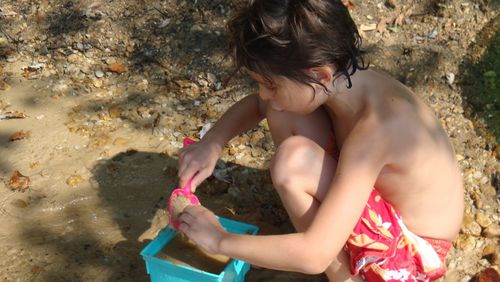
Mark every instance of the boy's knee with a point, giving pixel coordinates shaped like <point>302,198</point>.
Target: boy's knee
<point>290,160</point>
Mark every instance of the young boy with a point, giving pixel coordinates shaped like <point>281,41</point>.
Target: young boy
<point>363,167</point>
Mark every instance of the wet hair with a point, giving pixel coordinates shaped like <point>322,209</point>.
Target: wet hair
<point>287,37</point>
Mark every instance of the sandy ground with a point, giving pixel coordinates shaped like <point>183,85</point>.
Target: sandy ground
<point>108,90</point>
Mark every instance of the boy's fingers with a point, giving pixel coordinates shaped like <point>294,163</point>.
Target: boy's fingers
<point>200,177</point>
<point>186,171</point>
<point>193,209</point>
<point>184,228</point>
<point>186,217</point>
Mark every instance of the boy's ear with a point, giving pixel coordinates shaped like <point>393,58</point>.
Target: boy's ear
<point>324,74</point>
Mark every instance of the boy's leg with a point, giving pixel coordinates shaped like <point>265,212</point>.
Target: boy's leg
<point>302,172</point>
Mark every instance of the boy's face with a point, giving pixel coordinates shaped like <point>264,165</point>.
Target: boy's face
<point>284,94</point>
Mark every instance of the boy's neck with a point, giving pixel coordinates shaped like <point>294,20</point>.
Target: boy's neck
<point>345,103</point>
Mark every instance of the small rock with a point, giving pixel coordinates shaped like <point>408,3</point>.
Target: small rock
<point>99,73</point>
<point>212,79</point>
<point>492,231</point>
<point>433,34</point>
<point>489,250</point>
<point>163,23</point>
<point>188,89</point>
<point>120,141</point>
<point>483,220</point>
<point>466,243</point>
<point>233,151</point>
<point>256,152</point>
<point>196,27</point>
<point>20,135</point>
<point>117,68</point>
<point>12,58</point>
<point>465,278</point>
<point>368,27</point>
<point>205,129</point>
<point>4,86</point>
<point>74,180</point>
<point>452,276</point>
<point>495,259</point>
<point>115,112</point>
<point>18,203</point>
<point>78,46</point>
<point>74,58</point>
<point>478,199</point>
<point>489,275</point>
<point>450,78</point>
<point>97,83</point>
<point>488,190</point>
<point>472,228</point>
<point>234,191</point>
<point>143,85</point>
<point>19,182</point>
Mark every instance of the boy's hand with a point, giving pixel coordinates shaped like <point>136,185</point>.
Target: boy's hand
<point>201,226</point>
<point>198,160</point>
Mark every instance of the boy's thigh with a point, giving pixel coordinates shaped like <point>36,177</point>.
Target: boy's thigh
<point>316,126</point>
<point>305,153</point>
<point>300,164</point>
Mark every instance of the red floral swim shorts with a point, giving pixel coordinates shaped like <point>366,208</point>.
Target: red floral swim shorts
<point>381,248</point>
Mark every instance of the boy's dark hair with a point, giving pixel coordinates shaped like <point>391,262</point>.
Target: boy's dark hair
<point>287,37</point>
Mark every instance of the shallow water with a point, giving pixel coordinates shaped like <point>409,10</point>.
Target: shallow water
<point>181,251</point>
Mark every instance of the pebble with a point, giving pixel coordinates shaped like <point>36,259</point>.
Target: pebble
<point>472,228</point>
<point>115,112</point>
<point>99,73</point>
<point>483,220</point>
<point>466,243</point>
<point>433,34</point>
<point>97,83</point>
<point>450,78</point>
<point>18,203</point>
<point>452,276</point>
<point>492,231</point>
<point>117,68</point>
<point>466,278</point>
<point>211,78</point>
<point>489,275</point>
<point>120,141</point>
<point>4,86</point>
<point>78,46</point>
<point>368,27</point>
<point>11,59</point>
<point>489,250</point>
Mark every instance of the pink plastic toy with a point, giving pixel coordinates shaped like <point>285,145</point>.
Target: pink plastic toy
<point>181,197</point>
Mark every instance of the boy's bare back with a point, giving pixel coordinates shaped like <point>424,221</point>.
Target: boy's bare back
<point>420,175</point>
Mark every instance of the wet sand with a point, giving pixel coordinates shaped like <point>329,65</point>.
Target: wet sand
<point>181,251</point>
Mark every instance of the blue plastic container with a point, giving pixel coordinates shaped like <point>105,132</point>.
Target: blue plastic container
<point>161,270</point>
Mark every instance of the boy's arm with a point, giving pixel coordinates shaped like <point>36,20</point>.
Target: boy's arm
<point>242,116</point>
<point>361,160</point>
<point>197,161</point>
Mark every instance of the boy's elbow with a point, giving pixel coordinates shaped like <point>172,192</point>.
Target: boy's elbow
<point>316,264</point>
